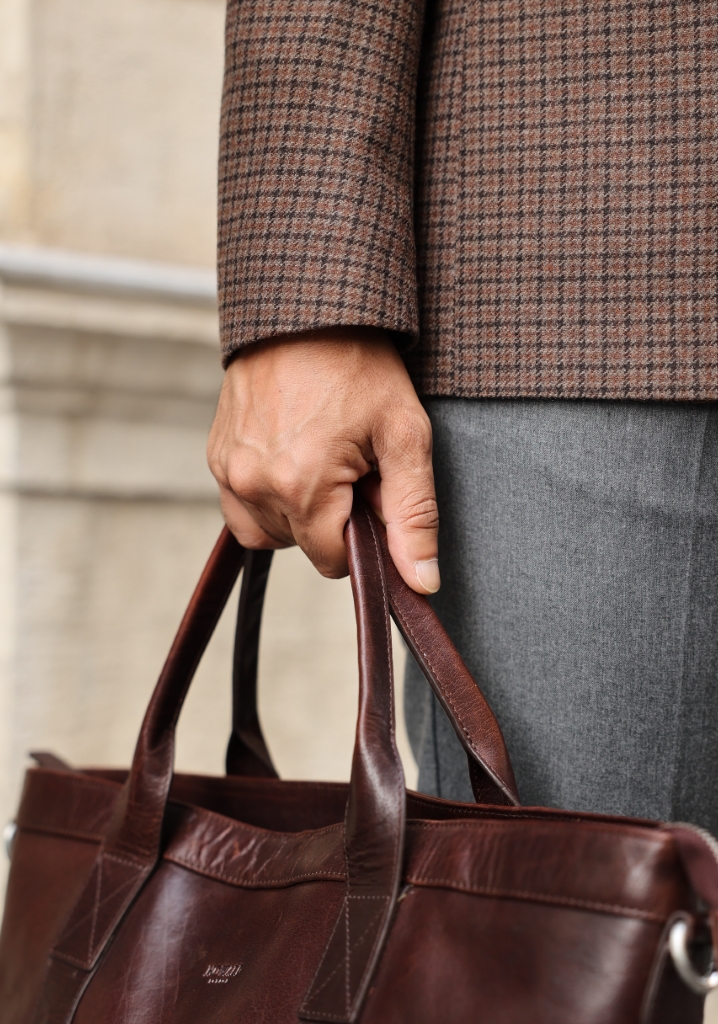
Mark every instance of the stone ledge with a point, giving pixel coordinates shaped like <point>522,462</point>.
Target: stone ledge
<point>97,399</point>
<point>61,268</point>
<point>133,298</point>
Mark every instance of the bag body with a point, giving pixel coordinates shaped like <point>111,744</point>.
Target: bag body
<point>252,899</point>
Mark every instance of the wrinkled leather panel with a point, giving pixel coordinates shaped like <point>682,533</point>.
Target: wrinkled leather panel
<point>240,855</point>
<point>541,853</point>
<point>622,870</point>
<point>81,803</point>
<point>540,879</point>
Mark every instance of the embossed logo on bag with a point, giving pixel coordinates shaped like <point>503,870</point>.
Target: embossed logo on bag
<point>219,974</point>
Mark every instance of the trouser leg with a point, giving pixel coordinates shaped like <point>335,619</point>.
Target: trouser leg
<point>579,559</point>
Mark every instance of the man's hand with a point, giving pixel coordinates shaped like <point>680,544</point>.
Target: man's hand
<point>299,420</point>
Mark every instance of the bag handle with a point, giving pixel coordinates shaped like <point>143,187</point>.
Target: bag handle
<point>375,808</point>
<point>473,720</point>
<point>247,752</point>
<point>132,848</point>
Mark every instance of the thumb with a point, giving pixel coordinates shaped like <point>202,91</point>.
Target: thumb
<point>407,504</point>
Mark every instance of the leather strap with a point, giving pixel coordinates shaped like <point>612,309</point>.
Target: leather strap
<point>490,770</point>
<point>375,808</point>
<point>132,848</point>
<point>247,752</point>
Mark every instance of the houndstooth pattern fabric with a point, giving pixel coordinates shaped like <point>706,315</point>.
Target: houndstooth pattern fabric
<point>316,167</point>
<point>566,189</point>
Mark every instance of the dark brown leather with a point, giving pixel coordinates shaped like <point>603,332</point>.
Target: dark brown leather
<point>130,851</point>
<point>162,899</point>
<point>247,753</point>
<point>376,809</point>
<point>490,768</point>
<point>492,775</point>
<point>47,760</point>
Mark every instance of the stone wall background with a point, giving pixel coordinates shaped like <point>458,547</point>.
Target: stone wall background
<point>109,373</point>
<point>108,126</point>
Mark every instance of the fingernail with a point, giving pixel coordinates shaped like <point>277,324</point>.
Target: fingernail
<point>427,573</point>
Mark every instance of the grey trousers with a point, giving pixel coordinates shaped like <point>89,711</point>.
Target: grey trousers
<point>579,560</point>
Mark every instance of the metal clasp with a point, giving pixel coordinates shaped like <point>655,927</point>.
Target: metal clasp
<point>678,939</point>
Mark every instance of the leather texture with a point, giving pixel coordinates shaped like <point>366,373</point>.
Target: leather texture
<point>247,753</point>
<point>154,898</point>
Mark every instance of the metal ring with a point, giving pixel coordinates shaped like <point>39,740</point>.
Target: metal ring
<point>678,937</point>
<point>8,834</point>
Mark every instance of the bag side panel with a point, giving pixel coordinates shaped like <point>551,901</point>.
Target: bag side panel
<point>195,949</point>
<point>46,875</point>
<point>478,960</point>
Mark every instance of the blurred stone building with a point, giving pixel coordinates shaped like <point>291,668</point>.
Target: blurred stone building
<point>110,371</point>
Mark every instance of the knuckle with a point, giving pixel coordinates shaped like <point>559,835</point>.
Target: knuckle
<point>257,484</point>
<point>418,512</point>
<point>287,484</point>
<point>412,433</point>
<point>244,481</point>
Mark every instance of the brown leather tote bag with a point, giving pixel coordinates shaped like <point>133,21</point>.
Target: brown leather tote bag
<point>144,897</point>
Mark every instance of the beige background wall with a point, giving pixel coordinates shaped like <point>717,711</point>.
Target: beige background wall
<point>108,125</point>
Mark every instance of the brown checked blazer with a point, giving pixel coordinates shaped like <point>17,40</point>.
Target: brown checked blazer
<point>526,189</point>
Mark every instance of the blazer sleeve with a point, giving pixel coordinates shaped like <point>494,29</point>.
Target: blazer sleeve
<point>316,167</point>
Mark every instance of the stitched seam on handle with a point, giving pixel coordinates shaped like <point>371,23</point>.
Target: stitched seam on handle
<point>310,993</point>
<point>387,629</point>
<point>347,959</point>
<point>400,789</point>
<point>539,897</point>
<point>446,696</point>
<point>347,954</point>
<point>96,908</point>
